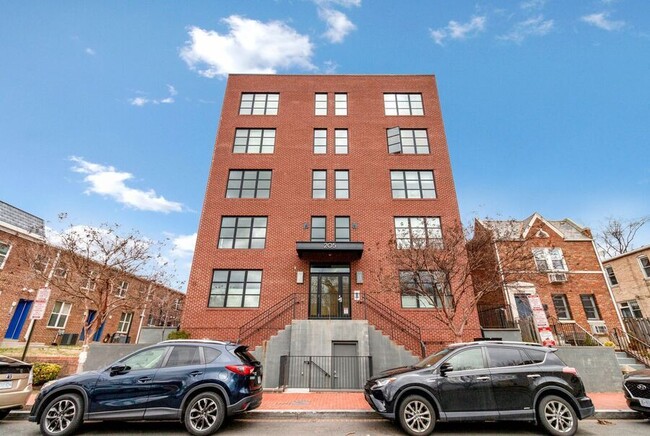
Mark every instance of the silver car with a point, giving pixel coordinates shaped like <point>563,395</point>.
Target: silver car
<point>15,384</point>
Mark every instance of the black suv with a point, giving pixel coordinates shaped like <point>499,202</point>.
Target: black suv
<point>478,381</point>
<point>197,382</point>
<point>636,386</point>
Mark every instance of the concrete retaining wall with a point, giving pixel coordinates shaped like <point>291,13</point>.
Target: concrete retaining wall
<point>153,335</point>
<point>102,355</point>
<point>597,367</point>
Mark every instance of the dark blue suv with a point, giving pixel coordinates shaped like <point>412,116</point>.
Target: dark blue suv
<point>197,382</point>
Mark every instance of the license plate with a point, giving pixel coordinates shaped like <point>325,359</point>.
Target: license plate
<point>644,402</point>
<point>5,385</point>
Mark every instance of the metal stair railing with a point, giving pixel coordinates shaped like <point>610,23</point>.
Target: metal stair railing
<point>632,345</point>
<point>573,334</point>
<point>395,325</point>
<point>264,325</point>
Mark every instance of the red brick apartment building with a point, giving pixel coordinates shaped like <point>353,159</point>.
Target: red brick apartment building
<point>563,269</point>
<point>64,317</point>
<point>311,177</point>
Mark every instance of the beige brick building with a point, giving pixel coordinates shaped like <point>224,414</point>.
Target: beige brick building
<point>629,277</point>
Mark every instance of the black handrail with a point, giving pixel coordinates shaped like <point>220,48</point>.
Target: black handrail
<point>395,320</point>
<point>311,362</point>
<point>632,346</point>
<point>251,327</point>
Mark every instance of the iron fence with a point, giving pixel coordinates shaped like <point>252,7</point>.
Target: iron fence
<point>325,372</point>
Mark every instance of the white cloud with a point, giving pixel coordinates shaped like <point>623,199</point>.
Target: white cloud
<point>109,182</point>
<point>456,30</point>
<point>601,21</point>
<point>183,245</point>
<point>536,26</point>
<point>141,101</point>
<point>338,24</point>
<point>344,3</point>
<point>532,4</point>
<point>250,46</point>
<point>90,51</point>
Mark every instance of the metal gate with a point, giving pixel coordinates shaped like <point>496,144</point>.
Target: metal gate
<point>325,372</point>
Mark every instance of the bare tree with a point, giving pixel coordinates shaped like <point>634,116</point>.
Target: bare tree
<point>450,274</point>
<point>106,270</point>
<point>617,236</point>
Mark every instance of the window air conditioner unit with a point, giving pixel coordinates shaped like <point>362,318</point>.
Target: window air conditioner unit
<point>598,328</point>
<point>557,277</point>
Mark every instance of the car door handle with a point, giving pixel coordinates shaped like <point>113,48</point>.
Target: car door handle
<point>533,376</point>
<point>195,373</point>
<point>144,379</point>
<point>486,378</point>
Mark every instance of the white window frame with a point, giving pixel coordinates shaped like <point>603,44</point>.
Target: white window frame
<point>90,283</point>
<point>403,104</point>
<point>320,104</point>
<point>565,303</point>
<point>41,260</point>
<point>5,256</point>
<point>548,256</point>
<point>254,141</point>
<point>320,141</point>
<point>418,232</point>
<point>592,300</point>
<point>645,270</point>
<point>61,270</point>
<point>260,101</point>
<point>342,184</point>
<point>340,104</point>
<point>125,322</point>
<point>630,306</point>
<point>611,275</point>
<point>57,316</point>
<point>121,289</point>
<point>177,304</point>
<point>341,141</point>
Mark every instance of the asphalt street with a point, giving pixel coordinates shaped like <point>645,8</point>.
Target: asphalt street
<point>342,426</point>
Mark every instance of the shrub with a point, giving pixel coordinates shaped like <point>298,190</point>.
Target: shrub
<point>609,344</point>
<point>45,372</point>
<point>179,334</point>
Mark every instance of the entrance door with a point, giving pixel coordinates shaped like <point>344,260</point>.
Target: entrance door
<point>18,320</point>
<point>329,295</point>
<point>345,366</point>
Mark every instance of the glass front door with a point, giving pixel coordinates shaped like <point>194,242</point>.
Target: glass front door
<point>329,294</point>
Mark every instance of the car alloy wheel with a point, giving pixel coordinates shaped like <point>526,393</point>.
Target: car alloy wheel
<point>205,413</point>
<point>62,416</point>
<point>557,416</point>
<point>416,415</point>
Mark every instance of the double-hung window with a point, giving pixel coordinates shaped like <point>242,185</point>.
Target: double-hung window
<point>259,104</point>
<point>254,141</point>
<point>342,229</point>
<point>549,259</point>
<point>320,141</point>
<point>235,288</point>
<point>590,307</point>
<point>320,104</point>
<point>340,104</point>
<point>59,316</point>
<point>4,253</point>
<point>403,104</point>
<point>249,184</point>
<point>242,232</point>
<point>125,322</point>
<point>319,184</point>
<point>121,288</point>
<point>341,141</point>
<point>318,227</point>
<point>630,309</point>
<point>561,306</point>
<point>611,276</point>
<point>412,184</point>
<point>417,232</point>
<point>644,263</point>
<point>342,184</point>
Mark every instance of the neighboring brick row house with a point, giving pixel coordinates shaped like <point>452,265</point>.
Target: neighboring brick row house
<point>564,270</point>
<point>311,178</point>
<point>629,277</point>
<point>64,316</point>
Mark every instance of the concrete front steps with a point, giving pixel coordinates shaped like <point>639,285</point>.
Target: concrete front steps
<point>628,363</point>
<point>315,338</point>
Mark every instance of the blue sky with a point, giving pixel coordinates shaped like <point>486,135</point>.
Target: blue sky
<point>109,110</point>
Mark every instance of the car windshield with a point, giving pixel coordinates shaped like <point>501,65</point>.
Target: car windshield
<point>433,359</point>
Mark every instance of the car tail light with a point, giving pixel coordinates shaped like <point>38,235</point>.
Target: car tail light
<point>241,369</point>
<point>569,370</point>
<point>30,379</point>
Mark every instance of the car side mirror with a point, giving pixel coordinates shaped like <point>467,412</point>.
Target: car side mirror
<point>445,368</point>
<point>119,369</point>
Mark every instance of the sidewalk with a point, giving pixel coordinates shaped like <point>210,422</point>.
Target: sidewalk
<point>609,405</point>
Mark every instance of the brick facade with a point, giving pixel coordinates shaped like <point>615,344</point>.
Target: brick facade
<point>19,285</point>
<point>583,271</point>
<point>632,283</point>
<point>370,205</point>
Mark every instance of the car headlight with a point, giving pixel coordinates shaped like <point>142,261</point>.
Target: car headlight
<point>383,382</point>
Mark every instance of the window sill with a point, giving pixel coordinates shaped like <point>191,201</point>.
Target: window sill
<point>566,321</point>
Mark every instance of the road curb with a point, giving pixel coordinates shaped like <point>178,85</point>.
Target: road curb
<point>18,415</point>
